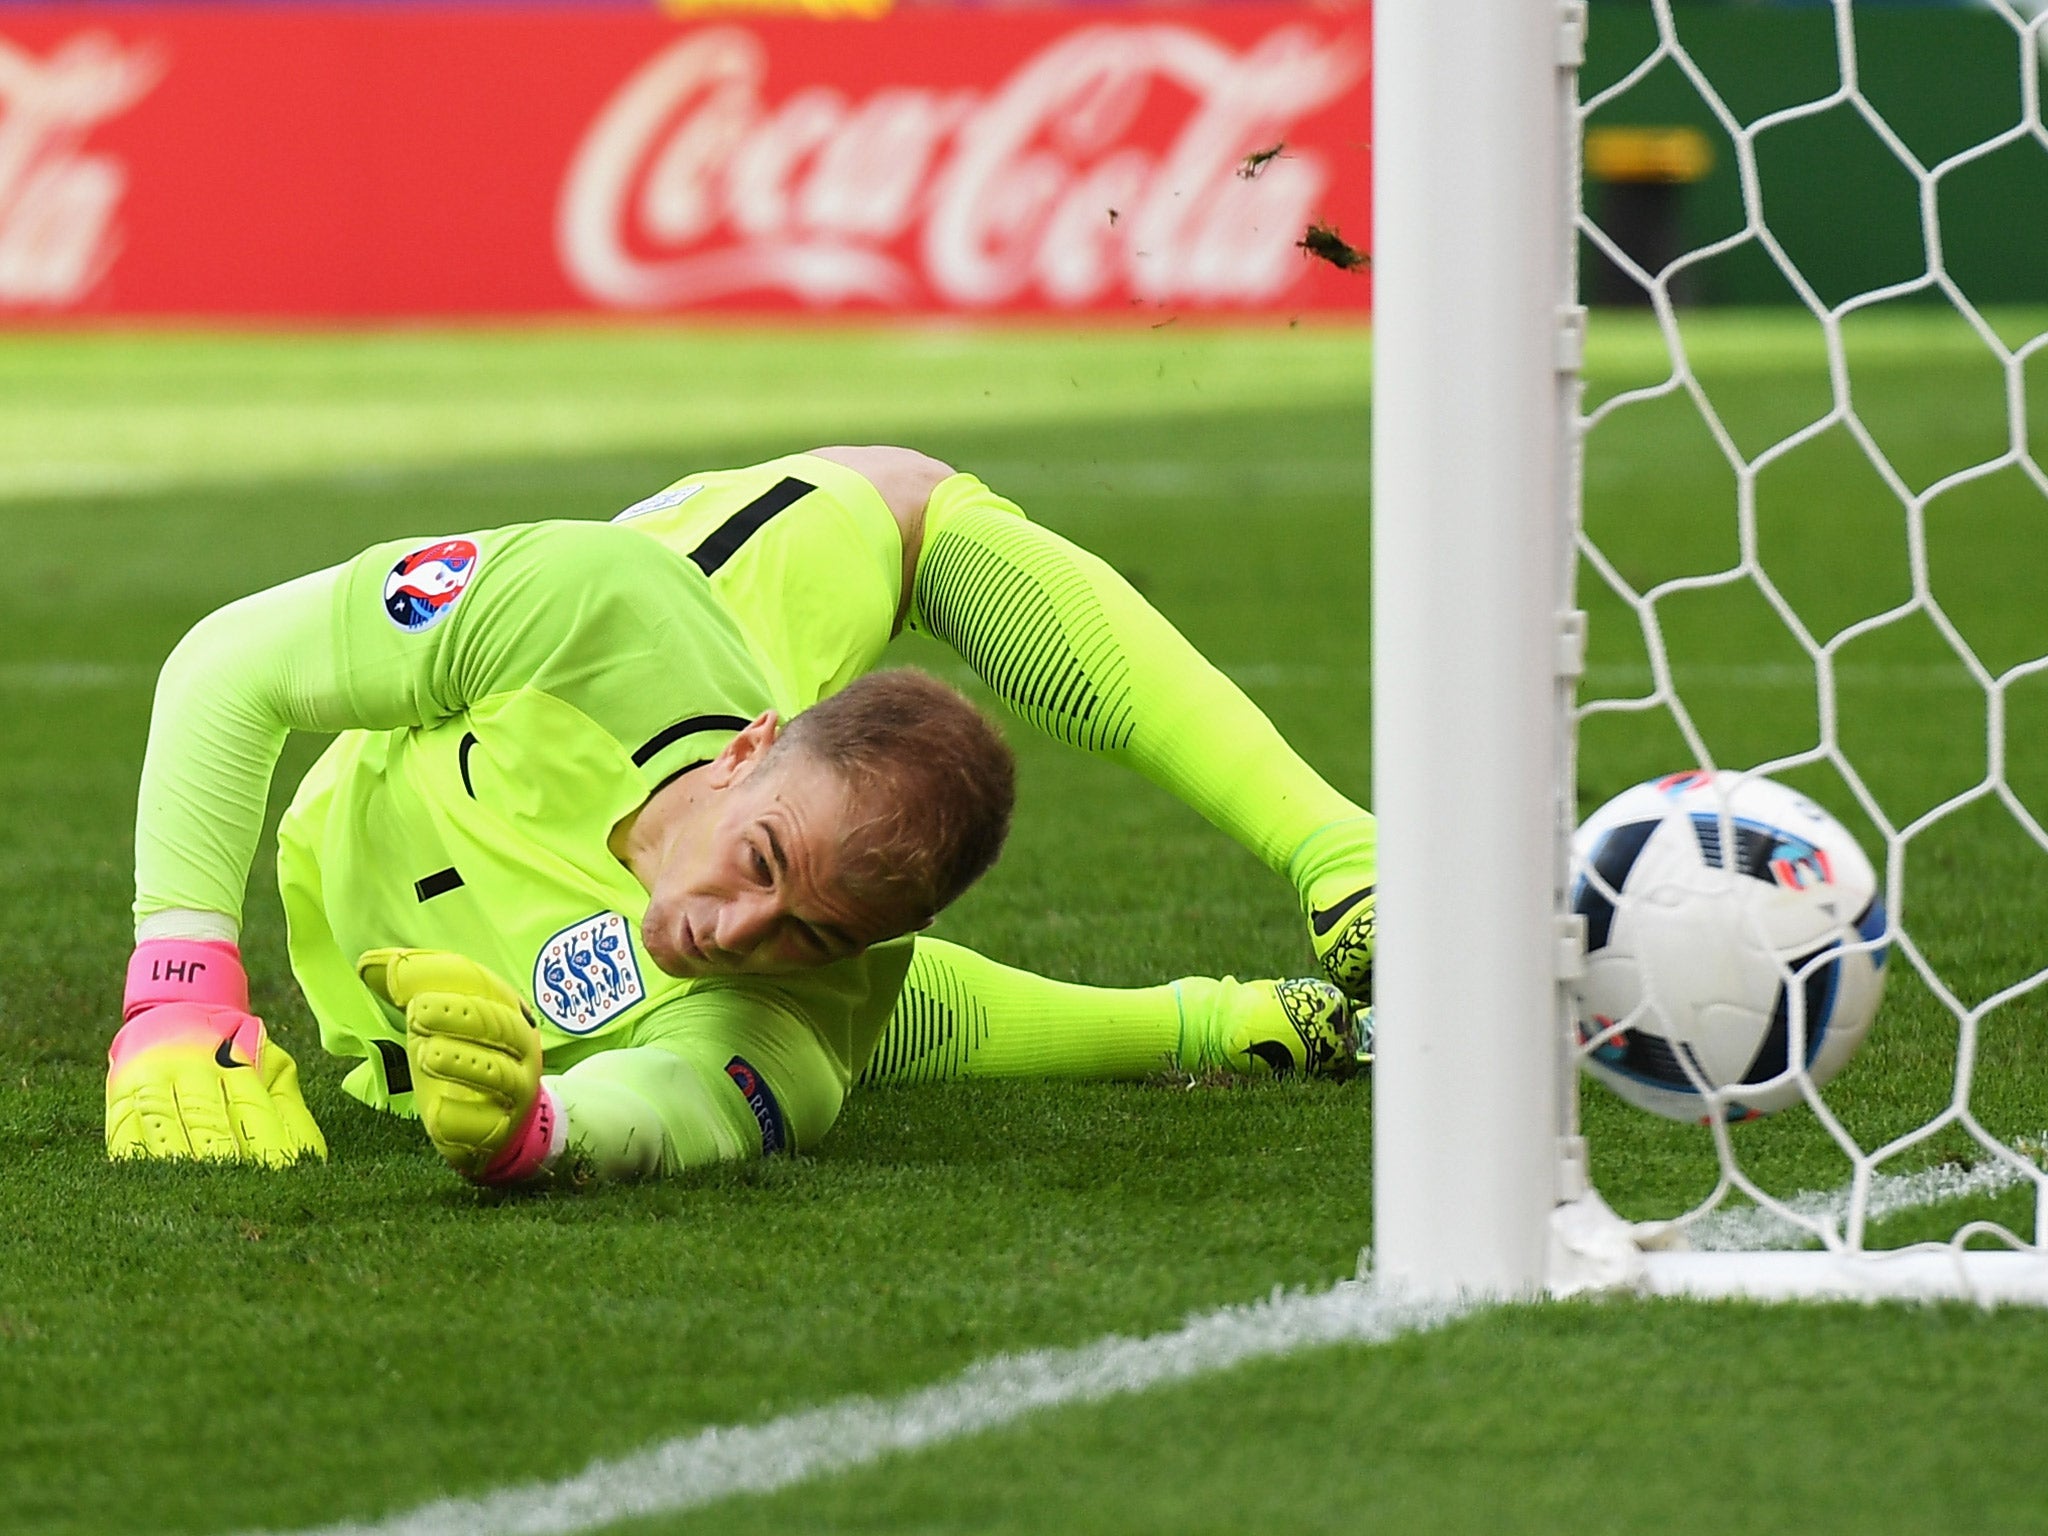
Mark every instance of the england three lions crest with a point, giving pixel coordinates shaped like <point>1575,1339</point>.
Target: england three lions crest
<point>586,976</point>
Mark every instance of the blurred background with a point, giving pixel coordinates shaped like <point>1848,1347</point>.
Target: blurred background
<point>407,160</point>
<point>267,159</point>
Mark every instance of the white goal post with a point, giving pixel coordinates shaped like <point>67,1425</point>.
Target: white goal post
<point>1479,1178</point>
<point>1472,389</point>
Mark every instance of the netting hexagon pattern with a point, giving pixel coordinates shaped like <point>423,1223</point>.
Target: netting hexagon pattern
<point>1827,463</point>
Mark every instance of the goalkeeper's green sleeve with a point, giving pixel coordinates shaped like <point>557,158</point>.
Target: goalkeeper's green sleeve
<point>545,606</point>
<point>730,1072</point>
<point>242,679</point>
<point>649,1111</point>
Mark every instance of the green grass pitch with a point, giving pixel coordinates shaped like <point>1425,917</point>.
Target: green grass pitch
<point>206,1350</point>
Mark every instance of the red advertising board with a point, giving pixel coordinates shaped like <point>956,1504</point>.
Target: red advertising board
<point>363,161</point>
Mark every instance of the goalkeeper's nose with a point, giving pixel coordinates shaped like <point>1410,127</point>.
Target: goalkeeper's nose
<point>746,923</point>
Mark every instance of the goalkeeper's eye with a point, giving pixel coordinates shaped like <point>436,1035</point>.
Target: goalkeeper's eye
<point>763,875</point>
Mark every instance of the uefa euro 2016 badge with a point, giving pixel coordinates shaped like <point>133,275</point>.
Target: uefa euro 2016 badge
<point>425,584</point>
<point>586,976</point>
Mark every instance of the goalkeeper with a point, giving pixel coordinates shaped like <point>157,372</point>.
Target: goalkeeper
<point>620,861</point>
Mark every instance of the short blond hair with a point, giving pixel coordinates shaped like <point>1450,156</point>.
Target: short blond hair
<point>930,782</point>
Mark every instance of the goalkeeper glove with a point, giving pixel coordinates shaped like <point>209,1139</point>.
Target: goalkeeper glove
<point>476,1059</point>
<point>192,1073</point>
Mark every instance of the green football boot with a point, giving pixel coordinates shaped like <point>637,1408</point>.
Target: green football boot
<point>1280,1028</point>
<point>1335,871</point>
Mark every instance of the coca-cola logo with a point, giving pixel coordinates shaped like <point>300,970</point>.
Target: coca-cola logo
<point>58,201</point>
<point>1056,184</point>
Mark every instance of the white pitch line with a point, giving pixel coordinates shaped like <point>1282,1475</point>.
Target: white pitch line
<point>714,1464</point>
<point>691,1471</point>
<point>1756,1228</point>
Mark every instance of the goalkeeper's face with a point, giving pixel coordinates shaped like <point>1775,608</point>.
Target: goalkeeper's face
<point>746,874</point>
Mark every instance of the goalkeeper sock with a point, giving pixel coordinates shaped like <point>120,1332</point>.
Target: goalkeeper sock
<point>963,1015</point>
<point>1070,646</point>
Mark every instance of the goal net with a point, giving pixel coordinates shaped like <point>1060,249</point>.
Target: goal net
<point>1801,536</point>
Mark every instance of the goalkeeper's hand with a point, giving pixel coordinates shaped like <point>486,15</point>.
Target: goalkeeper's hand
<point>476,1060</point>
<point>192,1073</point>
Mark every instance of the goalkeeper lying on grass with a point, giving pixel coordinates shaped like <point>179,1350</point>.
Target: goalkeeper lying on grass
<point>620,861</point>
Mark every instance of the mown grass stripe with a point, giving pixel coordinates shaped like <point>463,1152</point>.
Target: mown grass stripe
<point>691,1471</point>
<point>713,1464</point>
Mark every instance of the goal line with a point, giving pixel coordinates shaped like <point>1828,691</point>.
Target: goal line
<point>694,1470</point>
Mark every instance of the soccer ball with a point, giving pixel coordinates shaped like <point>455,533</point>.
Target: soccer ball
<point>1715,906</point>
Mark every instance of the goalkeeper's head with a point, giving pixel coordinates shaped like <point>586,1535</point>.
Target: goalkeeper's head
<point>805,843</point>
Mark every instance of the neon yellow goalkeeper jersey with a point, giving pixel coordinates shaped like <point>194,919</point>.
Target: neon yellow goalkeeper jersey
<point>574,668</point>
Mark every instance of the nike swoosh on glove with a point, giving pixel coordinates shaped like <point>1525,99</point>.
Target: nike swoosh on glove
<point>193,1074</point>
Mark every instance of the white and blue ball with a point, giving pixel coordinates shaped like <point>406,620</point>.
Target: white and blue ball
<point>1735,934</point>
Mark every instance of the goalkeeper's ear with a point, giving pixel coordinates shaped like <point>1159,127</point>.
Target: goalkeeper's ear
<point>743,754</point>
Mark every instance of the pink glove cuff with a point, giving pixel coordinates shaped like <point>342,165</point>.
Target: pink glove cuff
<point>185,971</point>
<point>536,1141</point>
<point>194,1025</point>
